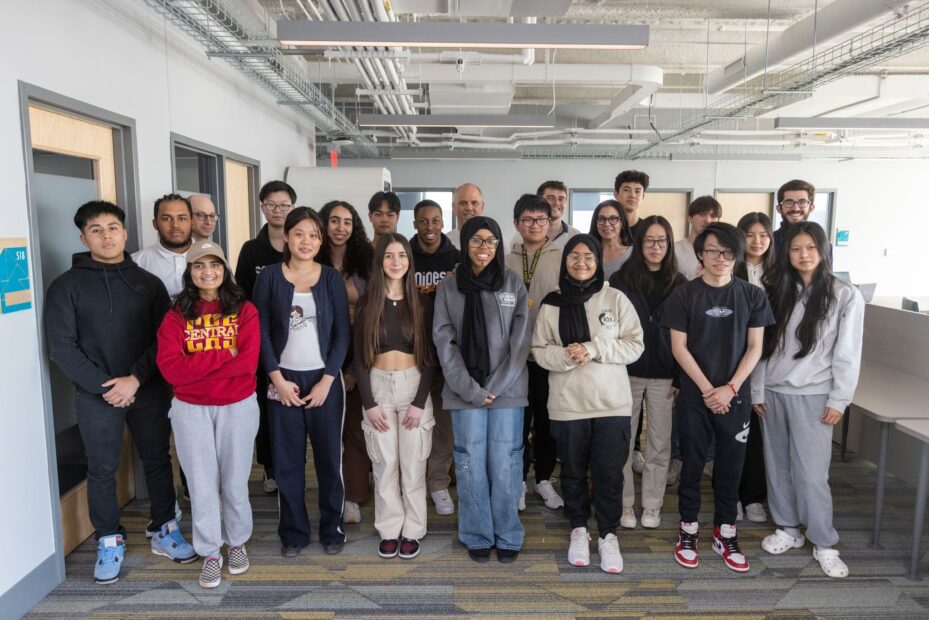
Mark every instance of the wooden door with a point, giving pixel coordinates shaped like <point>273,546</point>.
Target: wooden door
<point>737,204</point>
<point>670,205</point>
<point>238,207</point>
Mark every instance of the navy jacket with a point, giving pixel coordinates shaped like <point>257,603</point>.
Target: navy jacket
<point>274,295</point>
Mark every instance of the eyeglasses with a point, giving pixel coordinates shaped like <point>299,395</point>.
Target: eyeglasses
<point>528,222</point>
<point>790,204</point>
<point>612,220</point>
<point>590,259</point>
<point>206,217</point>
<point>656,243</point>
<point>284,207</point>
<point>714,254</point>
<point>476,242</point>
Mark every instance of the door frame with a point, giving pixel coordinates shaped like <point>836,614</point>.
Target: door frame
<point>127,192</point>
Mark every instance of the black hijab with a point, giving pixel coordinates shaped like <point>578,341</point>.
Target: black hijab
<point>473,343</point>
<point>572,294</point>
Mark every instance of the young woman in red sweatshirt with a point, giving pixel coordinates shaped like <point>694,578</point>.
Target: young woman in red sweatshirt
<point>208,348</point>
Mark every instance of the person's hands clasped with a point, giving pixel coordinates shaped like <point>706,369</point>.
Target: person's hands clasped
<point>577,353</point>
<point>717,399</point>
<point>489,400</point>
<point>377,419</point>
<point>289,393</point>
<point>831,416</point>
<point>122,391</point>
<point>761,409</point>
<point>319,392</point>
<point>413,418</point>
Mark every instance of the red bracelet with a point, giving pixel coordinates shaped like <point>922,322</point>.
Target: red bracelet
<point>735,392</point>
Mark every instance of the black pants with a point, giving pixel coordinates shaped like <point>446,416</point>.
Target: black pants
<point>697,428</point>
<point>536,419</point>
<point>289,429</point>
<point>600,445</point>
<point>101,427</point>
<point>263,439</point>
<point>753,487</point>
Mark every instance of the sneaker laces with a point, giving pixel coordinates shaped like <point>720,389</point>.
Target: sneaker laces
<point>108,555</point>
<point>688,541</point>
<point>731,545</point>
<point>176,537</point>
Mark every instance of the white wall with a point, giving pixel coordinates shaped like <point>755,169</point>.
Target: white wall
<point>110,54</point>
<point>880,202</point>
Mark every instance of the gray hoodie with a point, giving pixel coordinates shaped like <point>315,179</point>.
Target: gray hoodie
<point>831,367</point>
<point>506,313</point>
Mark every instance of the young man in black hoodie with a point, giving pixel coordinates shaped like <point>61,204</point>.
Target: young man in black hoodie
<point>101,319</point>
<point>277,198</point>
<point>434,257</point>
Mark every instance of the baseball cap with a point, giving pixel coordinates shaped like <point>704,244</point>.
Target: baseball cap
<point>199,249</point>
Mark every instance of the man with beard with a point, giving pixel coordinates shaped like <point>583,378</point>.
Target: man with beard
<point>167,258</point>
<point>795,204</point>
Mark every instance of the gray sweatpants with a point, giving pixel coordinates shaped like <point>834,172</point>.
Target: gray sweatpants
<point>214,445</point>
<point>797,453</point>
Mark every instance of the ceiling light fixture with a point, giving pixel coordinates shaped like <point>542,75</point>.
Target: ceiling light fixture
<point>450,35</point>
<point>455,120</point>
<point>734,157</point>
<point>854,122</point>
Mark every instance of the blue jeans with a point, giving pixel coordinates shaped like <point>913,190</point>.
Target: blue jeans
<point>489,472</point>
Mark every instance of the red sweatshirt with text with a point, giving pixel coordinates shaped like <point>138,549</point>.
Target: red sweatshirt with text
<point>195,358</point>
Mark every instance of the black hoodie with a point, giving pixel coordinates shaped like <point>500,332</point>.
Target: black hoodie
<point>101,322</point>
<point>430,269</point>
<point>256,254</point>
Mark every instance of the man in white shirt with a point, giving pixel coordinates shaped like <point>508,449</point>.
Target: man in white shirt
<point>702,212</point>
<point>555,193</point>
<point>204,217</point>
<point>467,202</point>
<point>167,258</point>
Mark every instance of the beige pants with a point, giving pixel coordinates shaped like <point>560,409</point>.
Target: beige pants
<point>398,456</point>
<point>658,441</point>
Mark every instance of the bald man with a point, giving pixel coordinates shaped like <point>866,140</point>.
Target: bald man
<point>467,202</point>
<point>205,218</point>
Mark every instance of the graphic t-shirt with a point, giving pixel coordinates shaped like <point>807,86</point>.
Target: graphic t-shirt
<point>302,349</point>
<point>716,321</point>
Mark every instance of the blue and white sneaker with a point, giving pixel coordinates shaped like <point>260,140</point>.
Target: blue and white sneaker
<point>170,543</point>
<point>149,532</point>
<point>110,553</point>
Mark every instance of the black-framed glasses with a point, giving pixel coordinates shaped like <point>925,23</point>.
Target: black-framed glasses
<point>476,242</point>
<point>612,220</point>
<point>528,222</point>
<point>656,243</point>
<point>714,254</point>
<point>790,204</point>
<point>283,207</point>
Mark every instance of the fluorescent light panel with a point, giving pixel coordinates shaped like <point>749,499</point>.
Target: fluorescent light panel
<point>453,155</point>
<point>454,120</point>
<point>791,122</point>
<point>734,157</point>
<point>450,35</point>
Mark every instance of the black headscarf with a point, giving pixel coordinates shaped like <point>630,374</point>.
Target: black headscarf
<point>572,294</point>
<point>474,349</point>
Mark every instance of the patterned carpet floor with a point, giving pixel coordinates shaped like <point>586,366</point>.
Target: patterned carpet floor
<point>443,583</point>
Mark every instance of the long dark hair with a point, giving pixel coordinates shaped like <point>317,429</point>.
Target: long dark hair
<point>786,289</point>
<point>358,251</point>
<point>767,259</point>
<point>635,272</point>
<point>230,295</point>
<point>414,324</point>
<point>625,237</point>
<point>295,217</point>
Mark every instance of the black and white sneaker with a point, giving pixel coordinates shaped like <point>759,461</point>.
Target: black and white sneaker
<point>211,575</point>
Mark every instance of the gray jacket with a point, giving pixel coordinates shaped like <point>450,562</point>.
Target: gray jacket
<point>506,313</point>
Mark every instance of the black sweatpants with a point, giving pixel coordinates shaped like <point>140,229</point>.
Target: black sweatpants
<point>697,428</point>
<point>753,487</point>
<point>289,429</point>
<point>536,420</point>
<point>600,445</point>
<point>263,439</point>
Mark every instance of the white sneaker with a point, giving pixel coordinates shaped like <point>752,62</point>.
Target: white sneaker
<point>628,520</point>
<point>443,502</point>
<point>830,562</point>
<point>674,471</point>
<point>351,513</point>
<point>739,515</point>
<point>756,513</point>
<point>522,498</point>
<point>638,461</point>
<point>780,541</point>
<point>651,518</point>
<point>611,560</point>
<point>547,493</point>
<point>579,550</point>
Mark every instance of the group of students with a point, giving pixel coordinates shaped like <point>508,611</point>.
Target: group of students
<point>402,356</point>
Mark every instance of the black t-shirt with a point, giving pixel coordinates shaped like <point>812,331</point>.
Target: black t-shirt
<point>716,321</point>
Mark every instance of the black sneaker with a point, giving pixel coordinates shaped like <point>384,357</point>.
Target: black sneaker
<point>333,548</point>
<point>507,556</point>
<point>479,555</point>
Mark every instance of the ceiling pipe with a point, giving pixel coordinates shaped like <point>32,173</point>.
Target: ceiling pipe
<point>834,20</point>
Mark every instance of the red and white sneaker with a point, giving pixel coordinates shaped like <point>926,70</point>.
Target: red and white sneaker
<point>685,552</point>
<point>726,544</point>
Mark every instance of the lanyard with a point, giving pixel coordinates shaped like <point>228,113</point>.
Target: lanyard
<point>529,271</point>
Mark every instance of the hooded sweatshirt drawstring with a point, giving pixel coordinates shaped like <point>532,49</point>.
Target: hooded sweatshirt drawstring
<point>109,293</point>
